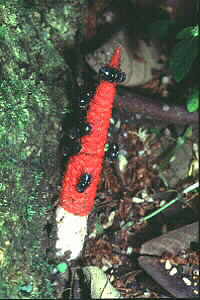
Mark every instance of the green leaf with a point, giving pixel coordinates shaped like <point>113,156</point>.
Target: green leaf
<point>180,140</point>
<point>188,132</point>
<point>188,32</point>
<point>160,28</point>
<point>99,229</point>
<point>193,101</point>
<point>183,55</point>
<point>62,267</point>
<point>26,288</point>
<point>195,31</point>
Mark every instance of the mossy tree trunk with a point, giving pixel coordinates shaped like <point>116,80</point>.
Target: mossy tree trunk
<point>34,78</point>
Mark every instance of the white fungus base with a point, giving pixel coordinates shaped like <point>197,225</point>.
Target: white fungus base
<point>71,232</point>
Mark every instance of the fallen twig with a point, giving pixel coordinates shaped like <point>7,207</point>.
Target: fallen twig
<point>134,103</point>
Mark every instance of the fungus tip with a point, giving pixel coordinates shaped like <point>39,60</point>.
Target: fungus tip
<point>116,58</point>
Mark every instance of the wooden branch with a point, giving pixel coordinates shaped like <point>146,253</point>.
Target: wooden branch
<point>134,103</point>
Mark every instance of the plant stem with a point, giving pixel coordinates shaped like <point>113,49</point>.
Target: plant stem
<point>156,212</point>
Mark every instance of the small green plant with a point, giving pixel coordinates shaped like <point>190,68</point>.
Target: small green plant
<point>192,188</point>
<point>179,141</point>
<point>193,100</point>
<point>185,52</point>
<point>62,267</point>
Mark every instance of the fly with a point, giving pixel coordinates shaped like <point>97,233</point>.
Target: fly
<point>84,182</point>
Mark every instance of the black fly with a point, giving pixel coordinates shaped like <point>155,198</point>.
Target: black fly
<point>84,100</point>
<point>84,128</point>
<point>113,151</point>
<point>84,182</point>
<point>111,74</point>
<point>76,130</point>
<point>83,104</point>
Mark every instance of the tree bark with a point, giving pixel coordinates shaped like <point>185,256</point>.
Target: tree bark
<point>34,79</point>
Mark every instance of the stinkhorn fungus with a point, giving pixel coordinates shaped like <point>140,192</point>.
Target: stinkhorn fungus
<point>83,172</point>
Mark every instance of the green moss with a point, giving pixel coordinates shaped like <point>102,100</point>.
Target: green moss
<point>3,32</point>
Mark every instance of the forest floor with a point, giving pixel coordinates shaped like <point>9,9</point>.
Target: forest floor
<point>151,171</point>
<point>149,191</point>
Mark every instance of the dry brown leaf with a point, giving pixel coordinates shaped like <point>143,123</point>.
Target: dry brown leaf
<point>136,63</point>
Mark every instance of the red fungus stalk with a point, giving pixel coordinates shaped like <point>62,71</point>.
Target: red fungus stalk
<point>90,159</point>
<point>91,156</point>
